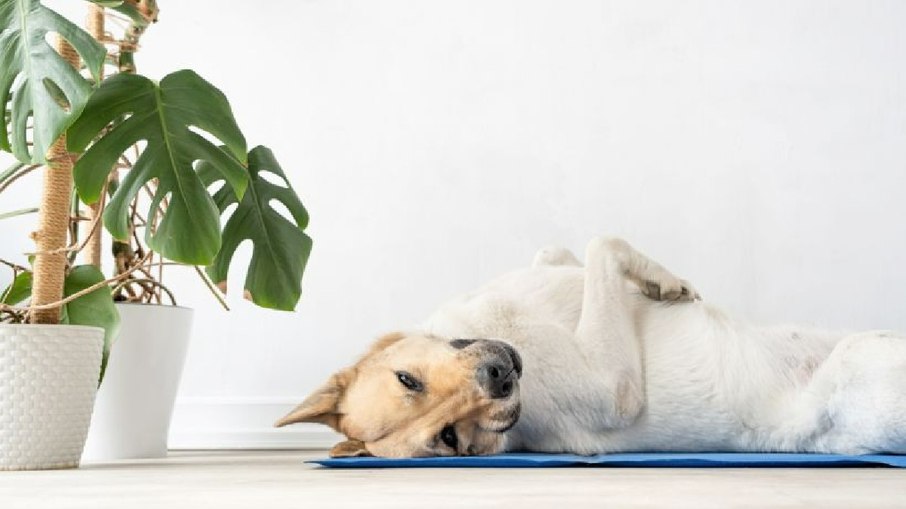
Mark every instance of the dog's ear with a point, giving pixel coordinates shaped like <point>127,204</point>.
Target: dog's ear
<point>321,406</point>
<point>382,343</point>
<point>349,449</point>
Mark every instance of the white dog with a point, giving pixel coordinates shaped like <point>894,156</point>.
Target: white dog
<point>618,355</point>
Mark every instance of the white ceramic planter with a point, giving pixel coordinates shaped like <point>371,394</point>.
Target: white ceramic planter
<point>135,401</point>
<point>48,379</point>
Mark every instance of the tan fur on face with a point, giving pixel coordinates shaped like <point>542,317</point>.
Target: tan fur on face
<point>367,403</point>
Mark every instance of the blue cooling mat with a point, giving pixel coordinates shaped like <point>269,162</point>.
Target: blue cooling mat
<point>538,460</point>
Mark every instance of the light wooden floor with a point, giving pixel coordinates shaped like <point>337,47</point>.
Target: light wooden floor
<point>252,479</point>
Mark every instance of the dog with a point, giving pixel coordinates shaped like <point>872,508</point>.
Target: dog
<point>617,355</point>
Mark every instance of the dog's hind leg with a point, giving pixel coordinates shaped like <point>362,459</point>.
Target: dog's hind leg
<point>860,391</point>
<point>555,256</point>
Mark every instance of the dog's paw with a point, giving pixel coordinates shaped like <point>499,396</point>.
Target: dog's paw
<point>667,287</point>
<point>555,256</point>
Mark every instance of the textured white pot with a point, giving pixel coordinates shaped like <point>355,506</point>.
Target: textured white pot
<point>48,379</point>
<point>135,401</point>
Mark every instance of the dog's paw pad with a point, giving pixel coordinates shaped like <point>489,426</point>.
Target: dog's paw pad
<point>670,289</point>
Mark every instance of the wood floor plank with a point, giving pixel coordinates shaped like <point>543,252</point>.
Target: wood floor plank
<point>277,479</point>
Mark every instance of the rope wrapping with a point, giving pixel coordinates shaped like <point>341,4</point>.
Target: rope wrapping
<point>53,221</point>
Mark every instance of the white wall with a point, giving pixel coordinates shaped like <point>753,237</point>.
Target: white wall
<point>755,148</point>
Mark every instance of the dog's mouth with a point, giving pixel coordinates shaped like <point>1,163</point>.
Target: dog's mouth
<point>502,415</point>
<point>497,377</point>
<point>510,420</point>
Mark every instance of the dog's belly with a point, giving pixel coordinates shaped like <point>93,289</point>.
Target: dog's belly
<point>688,405</point>
<point>711,383</point>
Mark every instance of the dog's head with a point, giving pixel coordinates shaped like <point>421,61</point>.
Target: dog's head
<point>415,395</point>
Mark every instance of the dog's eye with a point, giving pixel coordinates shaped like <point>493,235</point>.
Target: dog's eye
<point>448,436</point>
<point>409,381</point>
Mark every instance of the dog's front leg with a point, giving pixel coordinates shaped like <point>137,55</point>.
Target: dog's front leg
<point>606,334</point>
<point>606,331</point>
<point>655,282</point>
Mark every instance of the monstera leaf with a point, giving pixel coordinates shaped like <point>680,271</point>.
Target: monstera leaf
<point>280,246</point>
<point>35,81</point>
<point>18,290</point>
<point>161,115</point>
<point>95,308</point>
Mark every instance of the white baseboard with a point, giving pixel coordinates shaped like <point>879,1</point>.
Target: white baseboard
<point>242,423</point>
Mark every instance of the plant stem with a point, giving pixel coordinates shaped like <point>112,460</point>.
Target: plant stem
<point>5,174</point>
<point>149,282</point>
<point>211,287</point>
<point>95,25</point>
<point>53,221</point>
<point>122,251</point>
<point>15,266</point>
<point>147,10</point>
<point>19,212</point>
<point>22,171</point>
<point>74,213</point>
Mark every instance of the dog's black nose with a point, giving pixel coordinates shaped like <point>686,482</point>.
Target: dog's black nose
<point>459,344</point>
<point>500,367</point>
<point>500,373</point>
<point>498,379</point>
<point>514,358</point>
<point>511,352</point>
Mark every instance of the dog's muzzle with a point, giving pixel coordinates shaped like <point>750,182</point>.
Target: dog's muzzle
<point>500,367</point>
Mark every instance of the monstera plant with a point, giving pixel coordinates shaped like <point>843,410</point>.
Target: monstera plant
<point>130,153</point>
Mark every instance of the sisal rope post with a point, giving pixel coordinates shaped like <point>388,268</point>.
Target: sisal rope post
<point>95,25</point>
<point>53,220</point>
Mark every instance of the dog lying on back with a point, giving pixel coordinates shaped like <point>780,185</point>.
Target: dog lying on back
<point>616,355</point>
